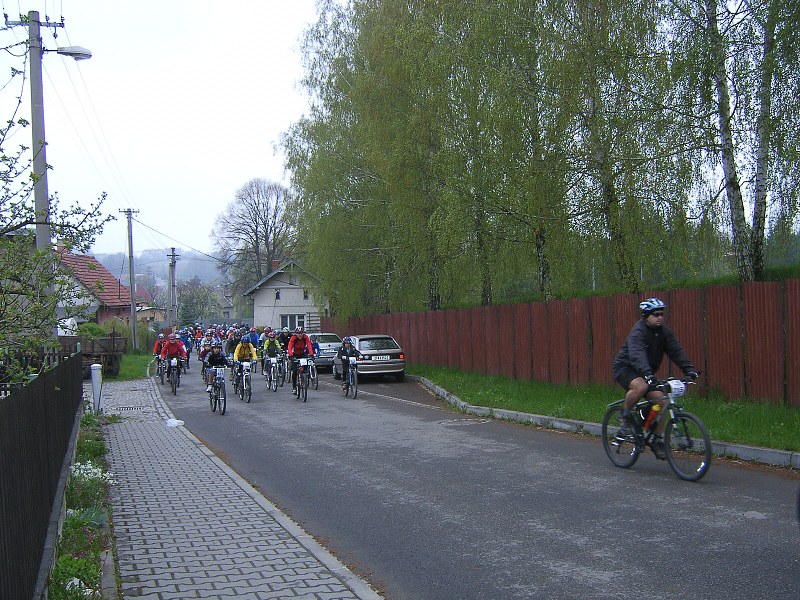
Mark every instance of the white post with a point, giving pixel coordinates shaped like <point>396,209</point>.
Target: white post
<point>97,385</point>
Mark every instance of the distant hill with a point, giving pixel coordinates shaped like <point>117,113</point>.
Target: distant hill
<point>188,265</point>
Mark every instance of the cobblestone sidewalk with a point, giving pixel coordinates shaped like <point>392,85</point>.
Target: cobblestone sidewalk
<point>187,526</point>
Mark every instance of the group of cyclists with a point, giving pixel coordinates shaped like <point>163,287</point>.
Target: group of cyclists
<point>219,346</point>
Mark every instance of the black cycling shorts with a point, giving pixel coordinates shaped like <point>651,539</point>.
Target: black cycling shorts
<point>623,376</point>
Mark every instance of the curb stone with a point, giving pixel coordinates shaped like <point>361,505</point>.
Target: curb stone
<point>767,456</point>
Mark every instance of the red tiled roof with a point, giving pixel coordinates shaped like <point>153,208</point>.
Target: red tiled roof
<point>142,295</point>
<point>108,290</point>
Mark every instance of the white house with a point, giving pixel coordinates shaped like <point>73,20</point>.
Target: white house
<point>284,298</point>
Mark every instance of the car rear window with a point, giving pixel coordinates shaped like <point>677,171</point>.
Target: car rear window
<point>329,338</point>
<point>378,344</point>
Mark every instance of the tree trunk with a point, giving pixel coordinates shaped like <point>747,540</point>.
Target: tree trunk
<point>741,233</point>
<point>763,131</point>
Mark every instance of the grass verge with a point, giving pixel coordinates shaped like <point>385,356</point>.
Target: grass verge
<point>85,533</point>
<point>741,422</point>
<point>133,366</point>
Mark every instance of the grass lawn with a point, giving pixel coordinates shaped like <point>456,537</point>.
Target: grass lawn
<point>741,422</point>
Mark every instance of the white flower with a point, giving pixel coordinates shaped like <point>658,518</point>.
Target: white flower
<point>80,587</point>
<point>87,470</point>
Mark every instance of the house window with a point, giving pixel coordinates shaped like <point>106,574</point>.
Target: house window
<point>292,321</point>
<point>277,294</point>
<point>305,294</point>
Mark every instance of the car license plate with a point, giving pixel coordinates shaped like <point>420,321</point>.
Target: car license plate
<point>384,357</point>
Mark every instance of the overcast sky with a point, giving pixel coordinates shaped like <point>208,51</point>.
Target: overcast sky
<point>182,103</point>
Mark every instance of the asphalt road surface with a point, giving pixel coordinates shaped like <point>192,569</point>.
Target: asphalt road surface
<point>427,503</point>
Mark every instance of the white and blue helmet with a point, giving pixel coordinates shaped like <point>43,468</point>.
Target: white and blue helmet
<point>650,305</point>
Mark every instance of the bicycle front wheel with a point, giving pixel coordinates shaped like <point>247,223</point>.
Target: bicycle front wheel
<point>274,379</point>
<point>623,452</point>
<point>223,399</point>
<point>688,446</point>
<point>355,384</point>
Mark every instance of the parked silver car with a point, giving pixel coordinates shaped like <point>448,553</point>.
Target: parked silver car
<point>329,344</point>
<point>380,355</point>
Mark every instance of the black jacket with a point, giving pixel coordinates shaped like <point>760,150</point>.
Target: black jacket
<point>645,348</point>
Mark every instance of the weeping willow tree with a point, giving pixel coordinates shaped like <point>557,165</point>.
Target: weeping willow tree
<point>471,152</point>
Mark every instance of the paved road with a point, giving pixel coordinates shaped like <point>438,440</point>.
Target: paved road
<point>428,504</point>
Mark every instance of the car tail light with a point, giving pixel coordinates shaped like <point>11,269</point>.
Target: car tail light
<point>402,356</point>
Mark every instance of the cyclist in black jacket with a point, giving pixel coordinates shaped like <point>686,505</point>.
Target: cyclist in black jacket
<point>635,365</point>
<point>346,350</point>
<point>215,358</point>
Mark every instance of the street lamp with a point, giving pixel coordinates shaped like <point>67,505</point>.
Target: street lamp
<point>40,193</point>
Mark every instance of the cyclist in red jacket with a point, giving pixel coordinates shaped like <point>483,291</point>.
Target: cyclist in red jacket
<point>172,349</point>
<point>299,346</point>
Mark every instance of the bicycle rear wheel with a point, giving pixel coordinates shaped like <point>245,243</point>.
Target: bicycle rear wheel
<point>173,380</point>
<point>623,452</point>
<point>212,399</point>
<point>246,388</point>
<point>223,400</point>
<point>355,384</point>
<point>304,386</point>
<point>274,376</point>
<point>688,446</point>
<point>314,378</point>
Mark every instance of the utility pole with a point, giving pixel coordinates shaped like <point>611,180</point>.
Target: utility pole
<point>40,193</point>
<point>172,313</point>
<point>132,276</point>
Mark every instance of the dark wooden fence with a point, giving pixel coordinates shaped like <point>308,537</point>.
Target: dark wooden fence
<point>744,339</point>
<point>38,423</point>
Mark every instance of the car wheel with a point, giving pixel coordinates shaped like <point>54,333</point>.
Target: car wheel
<point>400,376</point>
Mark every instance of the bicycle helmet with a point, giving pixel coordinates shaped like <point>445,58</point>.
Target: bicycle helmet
<point>298,329</point>
<point>252,330</point>
<point>216,345</point>
<point>650,305</point>
<point>171,336</point>
<point>347,340</point>
<point>271,335</point>
<point>161,336</point>
<point>285,330</point>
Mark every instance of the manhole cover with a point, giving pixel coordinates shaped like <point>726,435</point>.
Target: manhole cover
<point>458,422</point>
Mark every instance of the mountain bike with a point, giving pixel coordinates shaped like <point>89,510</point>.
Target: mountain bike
<point>686,440</point>
<point>217,397</point>
<point>271,373</point>
<point>161,369</point>
<point>312,374</point>
<point>235,378</point>
<point>285,368</point>
<point>174,375</point>
<point>301,389</point>
<point>350,383</point>
<point>245,388</point>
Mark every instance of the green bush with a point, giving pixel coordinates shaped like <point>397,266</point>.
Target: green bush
<point>91,330</point>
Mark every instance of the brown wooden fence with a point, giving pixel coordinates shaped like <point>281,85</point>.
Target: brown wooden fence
<point>744,339</point>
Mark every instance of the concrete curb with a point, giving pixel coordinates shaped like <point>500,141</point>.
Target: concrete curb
<point>767,456</point>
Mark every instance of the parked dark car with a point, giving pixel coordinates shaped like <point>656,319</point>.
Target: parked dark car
<point>380,355</point>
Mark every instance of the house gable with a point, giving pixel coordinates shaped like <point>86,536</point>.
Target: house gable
<point>97,280</point>
<point>284,298</point>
